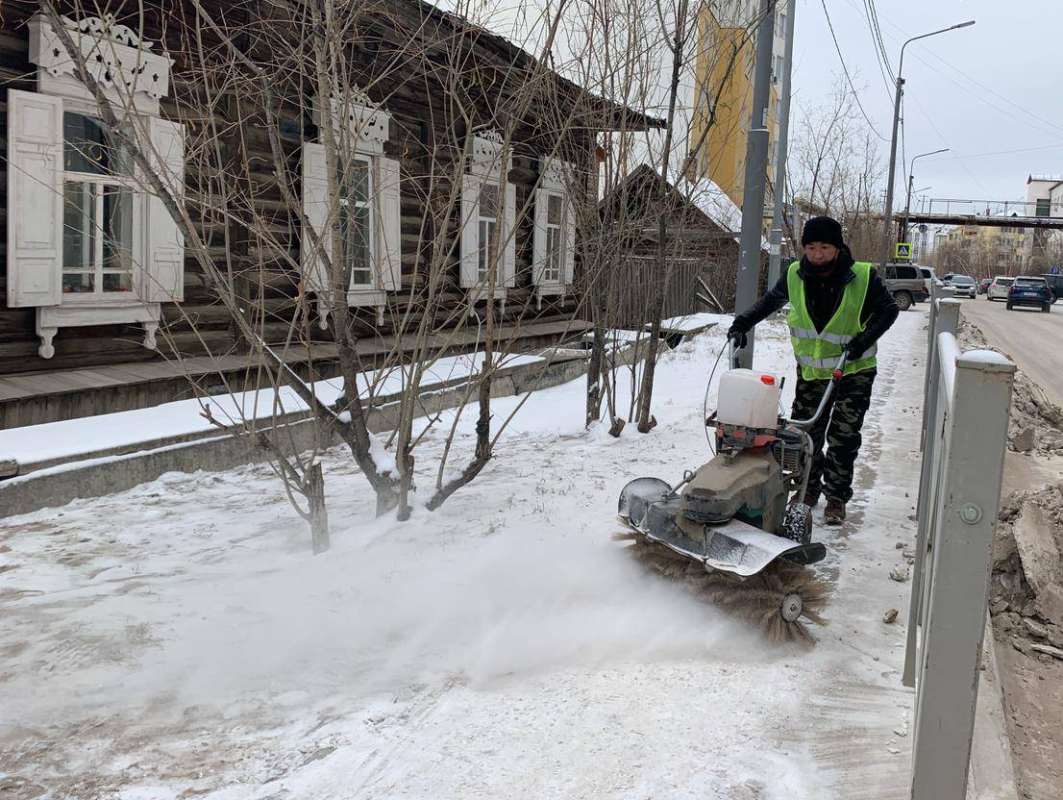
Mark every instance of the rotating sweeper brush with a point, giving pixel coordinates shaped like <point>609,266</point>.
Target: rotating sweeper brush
<point>726,529</point>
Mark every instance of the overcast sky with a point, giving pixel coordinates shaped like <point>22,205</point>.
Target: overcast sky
<point>988,88</point>
<point>992,87</point>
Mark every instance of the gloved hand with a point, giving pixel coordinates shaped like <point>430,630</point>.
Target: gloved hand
<point>737,333</point>
<point>856,346</point>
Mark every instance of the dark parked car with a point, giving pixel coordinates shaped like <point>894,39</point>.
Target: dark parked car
<point>962,286</point>
<point>983,285</point>
<point>1055,283</point>
<point>1029,291</point>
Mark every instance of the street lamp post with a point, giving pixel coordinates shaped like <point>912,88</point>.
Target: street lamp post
<point>888,215</point>
<point>911,181</point>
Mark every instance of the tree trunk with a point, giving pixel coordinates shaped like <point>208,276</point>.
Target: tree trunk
<point>646,421</point>
<point>315,494</point>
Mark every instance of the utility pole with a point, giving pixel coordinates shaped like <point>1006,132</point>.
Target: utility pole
<point>782,145</point>
<point>755,179</point>
<point>888,213</point>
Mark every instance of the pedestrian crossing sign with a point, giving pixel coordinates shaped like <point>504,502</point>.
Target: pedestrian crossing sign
<point>902,251</point>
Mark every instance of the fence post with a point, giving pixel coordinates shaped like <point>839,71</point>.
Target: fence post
<point>946,319</point>
<point>967,506</point>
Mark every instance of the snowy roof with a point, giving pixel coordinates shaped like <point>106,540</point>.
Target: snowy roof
<point>714,203</point>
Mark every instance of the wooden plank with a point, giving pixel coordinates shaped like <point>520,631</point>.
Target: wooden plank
<point>43,384</point>
<point>60,382</point>
<point>9,391</point>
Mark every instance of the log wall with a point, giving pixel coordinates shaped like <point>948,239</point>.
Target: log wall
<point>256,242</point>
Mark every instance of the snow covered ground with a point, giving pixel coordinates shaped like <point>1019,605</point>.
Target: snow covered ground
<point>179,639</point>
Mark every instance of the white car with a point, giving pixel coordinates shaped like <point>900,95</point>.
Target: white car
<point>929,276</point>
<point>999,288</point>
<point>962,286</point>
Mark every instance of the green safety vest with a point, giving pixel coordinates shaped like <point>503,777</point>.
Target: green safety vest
<point>818,351</point>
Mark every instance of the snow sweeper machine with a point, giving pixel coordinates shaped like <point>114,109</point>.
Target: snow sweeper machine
<point>729,529</point>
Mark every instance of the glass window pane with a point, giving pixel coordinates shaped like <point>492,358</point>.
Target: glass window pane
<point>117,282</point>
<point>552,272</point>
<point>481,261</point>
<point>489,200</point>
<point>553,209</point>
<point>76,283</point>
<point>88,146</point>
<point>79,226</point>
<point>117,228</point>
<point>354,180</point>
<point>354,225</point>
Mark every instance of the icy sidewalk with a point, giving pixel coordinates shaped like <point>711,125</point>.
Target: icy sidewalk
<point>179,639</point>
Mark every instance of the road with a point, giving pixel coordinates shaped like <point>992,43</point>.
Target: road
<point>1031,338</point>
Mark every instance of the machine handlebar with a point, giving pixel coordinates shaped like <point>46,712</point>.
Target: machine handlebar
<point>836,376</point>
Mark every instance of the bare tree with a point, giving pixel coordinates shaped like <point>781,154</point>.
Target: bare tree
<point>835,169</point>
<point>242,96</point>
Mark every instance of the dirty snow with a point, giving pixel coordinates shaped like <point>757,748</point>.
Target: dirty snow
<point>179,639</point>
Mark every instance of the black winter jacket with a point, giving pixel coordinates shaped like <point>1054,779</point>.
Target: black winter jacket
<point>823,294</point>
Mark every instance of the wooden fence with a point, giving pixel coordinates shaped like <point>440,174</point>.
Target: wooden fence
<point>635,281</point>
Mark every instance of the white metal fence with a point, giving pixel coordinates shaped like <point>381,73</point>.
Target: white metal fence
<point>965,428</point>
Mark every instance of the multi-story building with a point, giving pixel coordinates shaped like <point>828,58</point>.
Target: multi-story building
<point>724,93</point>
<point>983,250</point>
<point>1044,198</point>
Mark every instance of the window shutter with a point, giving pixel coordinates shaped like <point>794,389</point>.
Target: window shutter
<point>539,236</point>
<point>390,216</point>
<point>316,208</point>
<point>470,235</point>
<point>34,199</point>
<point>166,243</point>
<point>508,276</point>
<point>569,243</point>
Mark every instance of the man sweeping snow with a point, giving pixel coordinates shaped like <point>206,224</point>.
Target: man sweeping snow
<point>836,304</point>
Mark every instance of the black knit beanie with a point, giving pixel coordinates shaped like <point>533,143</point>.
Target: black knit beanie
<point>822,229</point>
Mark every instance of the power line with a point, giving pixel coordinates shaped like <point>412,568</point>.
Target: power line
<point>1057,146</point>
<point>880,60</point>
<point>876,38</point>
<point>963,74</point>
<point>941,136</point>
<point>878,35</point>
<point>845,69</point>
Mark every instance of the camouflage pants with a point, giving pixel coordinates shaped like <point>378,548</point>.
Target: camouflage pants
<point>832,472</point>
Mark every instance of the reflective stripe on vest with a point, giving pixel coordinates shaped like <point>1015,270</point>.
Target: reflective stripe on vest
<point>831,363</point>
<point>812,333</point>
<point>818,352</point>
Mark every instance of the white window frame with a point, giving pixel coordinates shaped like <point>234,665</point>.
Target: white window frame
<point>133,80</point>
<point>555,180</point>
<point>489,163</point>
<point>487,230</point>
<point>371,204</point>
<point>554,267</point>
<point>137,255</point>
<point>362,130</point>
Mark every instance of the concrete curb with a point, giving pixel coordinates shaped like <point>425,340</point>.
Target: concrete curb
<point>56,483</point>
<point>992,773</point>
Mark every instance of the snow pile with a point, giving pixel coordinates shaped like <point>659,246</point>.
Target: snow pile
<point>1027,584</point>
<point>1035,423</point>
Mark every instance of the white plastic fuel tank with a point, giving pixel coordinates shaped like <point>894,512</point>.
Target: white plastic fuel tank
<point>749,398</point>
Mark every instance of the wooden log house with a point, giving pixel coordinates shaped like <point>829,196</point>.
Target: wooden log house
<point>105,305</point>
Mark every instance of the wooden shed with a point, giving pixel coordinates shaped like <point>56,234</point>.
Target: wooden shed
<point>701,241</point>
